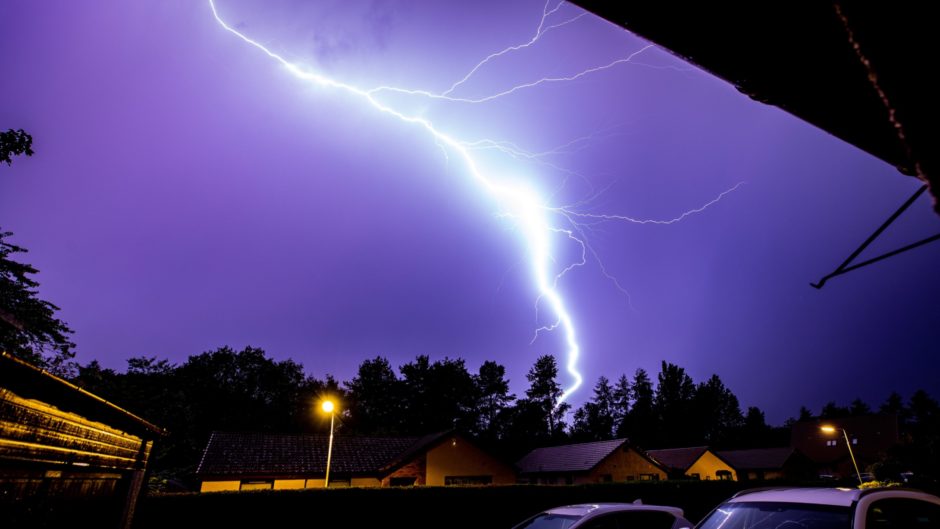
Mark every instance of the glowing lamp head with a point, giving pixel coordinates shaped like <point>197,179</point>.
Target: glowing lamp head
<point>328,406</point>
<point>828,429</point>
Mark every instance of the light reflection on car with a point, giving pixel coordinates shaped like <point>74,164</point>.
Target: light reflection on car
<point>608,516</point>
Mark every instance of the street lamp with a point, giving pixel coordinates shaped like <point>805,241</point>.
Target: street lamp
<point>832,429</point>
<point>328,407</point>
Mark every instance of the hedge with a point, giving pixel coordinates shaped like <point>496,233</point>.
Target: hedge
<point>414,507</point>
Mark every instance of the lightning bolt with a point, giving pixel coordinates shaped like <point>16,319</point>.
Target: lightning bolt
<point>530,211</point>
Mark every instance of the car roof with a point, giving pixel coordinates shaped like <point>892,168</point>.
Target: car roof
<point>843,497</point>
<point>599,508</point>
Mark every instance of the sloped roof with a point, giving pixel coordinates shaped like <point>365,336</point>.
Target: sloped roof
<point>272,454</point>
<point>678,458</point>
<point>758,458</point>
<point>568,458</point>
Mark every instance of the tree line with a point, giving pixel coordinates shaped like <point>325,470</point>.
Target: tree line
<point>247,390</point>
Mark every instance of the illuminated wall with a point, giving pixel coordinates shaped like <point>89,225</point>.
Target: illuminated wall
<point>624,464</point>
<point>464,463</point>
<point>708,466</point>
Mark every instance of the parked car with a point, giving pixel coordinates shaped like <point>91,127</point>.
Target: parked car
<point>608,516</point>
<point>822,508</point>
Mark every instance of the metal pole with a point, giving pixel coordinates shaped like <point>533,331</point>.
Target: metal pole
<point>329,453</point>
<point>849,445</point>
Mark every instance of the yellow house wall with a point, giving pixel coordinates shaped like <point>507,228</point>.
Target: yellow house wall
<point>365,482</point>
<point>456,457</point>
<point>621,465</point>
<point>288,484</point>
<point>219,486</point>
<point>708,465</point>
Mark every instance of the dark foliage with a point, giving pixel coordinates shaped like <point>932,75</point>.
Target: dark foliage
<point>28,326</point>
<point>14,143</point>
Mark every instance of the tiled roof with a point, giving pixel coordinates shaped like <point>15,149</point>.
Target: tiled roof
<point>568,458</point>
<point>295,454</point>
<point>678,458</point>
<point>757,459</point>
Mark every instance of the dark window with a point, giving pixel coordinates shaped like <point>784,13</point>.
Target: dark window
<point>256,484</point>
<point>468,480</point>
<point>607,478</point>
<point>903,513</point>
<point>695,475</point>
<point>402,482</point>
<point>631,478</point>
<point>724,475</point>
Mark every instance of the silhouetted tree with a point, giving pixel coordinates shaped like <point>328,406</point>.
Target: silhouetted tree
<point>673,405</point>
<point>716,412</point>
<point>492,389</point>
<point>14,143</point>
<point>641,425</point>
<point>28,326</point>
<point>595,420</point>
<point>833,411</point>
<point>544,393</point>
<point>622,397</point>
<point>437,396</point>
<point>374,399</point>
<point>859,407</point>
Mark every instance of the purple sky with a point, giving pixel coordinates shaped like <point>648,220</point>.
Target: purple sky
<point>188,192</point>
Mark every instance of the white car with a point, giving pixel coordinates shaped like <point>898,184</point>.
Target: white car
<point>791,508</point>
<point>608,516</point>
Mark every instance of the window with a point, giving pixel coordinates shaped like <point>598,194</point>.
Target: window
<point>256,484</point>
<point>770,515</point>
<point>830,442</point>
<point>695,475</point>
<point>854,441</point>
<point>649,477</point>
<point>402,482</point>
<point>724,475</point>
<point>606,478</point>
<point>337,483</point>
<point>468,480</point>
<point>903,513</point>
<point>631,478</point>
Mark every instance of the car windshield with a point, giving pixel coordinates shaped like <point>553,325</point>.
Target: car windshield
<point>773,515</point>
<point>550,521</point>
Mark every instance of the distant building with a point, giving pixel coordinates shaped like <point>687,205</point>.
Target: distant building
<point>597,462</point>
<point>697,463</point>
<point>870,436</point>
<point>60,443</point>
<point>768,463</point>
<point>254,461</point>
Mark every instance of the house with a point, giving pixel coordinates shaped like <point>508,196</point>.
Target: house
<point>869,435</point>
<point>254,461</point>
<point>596,462</point>
<point>697,463</point>
<point>67,456</point>
<point>768,463</point>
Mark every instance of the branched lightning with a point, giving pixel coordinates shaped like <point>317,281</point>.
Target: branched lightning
<point>531,213</point>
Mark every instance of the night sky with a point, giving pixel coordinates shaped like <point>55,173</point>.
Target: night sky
<point>188,192</point>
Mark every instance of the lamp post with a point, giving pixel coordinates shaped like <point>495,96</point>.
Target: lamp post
<point>328,407</point>
<point>848,444</point>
